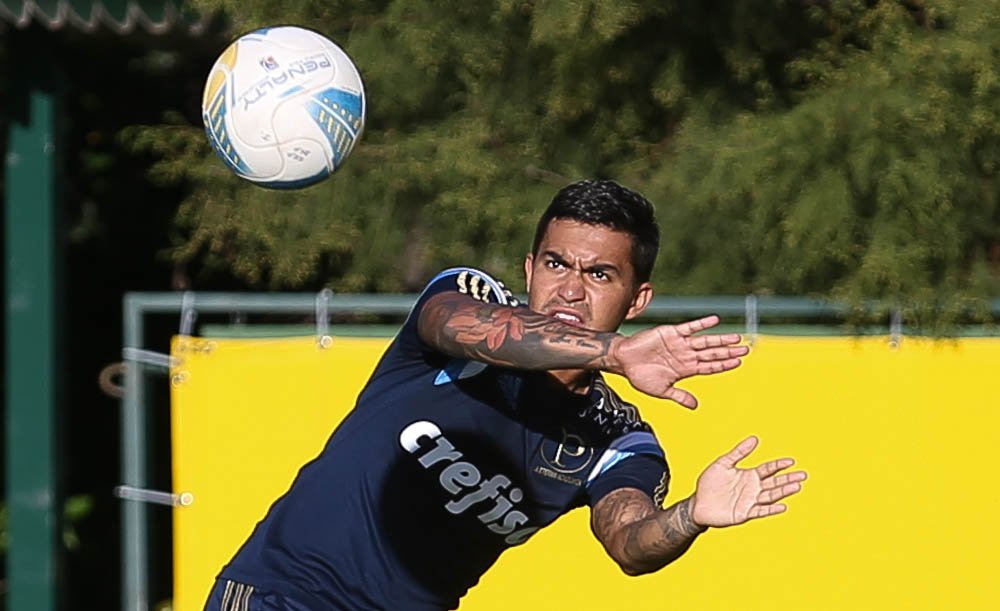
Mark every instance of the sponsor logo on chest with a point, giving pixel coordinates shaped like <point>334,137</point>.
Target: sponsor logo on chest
<point>464,481</point>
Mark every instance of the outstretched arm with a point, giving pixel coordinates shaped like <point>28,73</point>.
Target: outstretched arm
<point>653,360</point>
<point>643,539</point>
<point>461,326</point>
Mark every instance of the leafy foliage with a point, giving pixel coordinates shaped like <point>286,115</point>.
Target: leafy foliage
<point>842,148</point>
<point>879,181</point>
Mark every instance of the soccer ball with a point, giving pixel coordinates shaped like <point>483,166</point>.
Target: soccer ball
<point>283,107</point>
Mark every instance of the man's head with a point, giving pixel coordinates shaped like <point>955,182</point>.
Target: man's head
<point>592,256</point>
<point>606,203</point>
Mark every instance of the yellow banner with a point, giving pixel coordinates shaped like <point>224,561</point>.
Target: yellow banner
<point>899,512</point>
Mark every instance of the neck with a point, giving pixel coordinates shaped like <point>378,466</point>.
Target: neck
<point>576,381</point>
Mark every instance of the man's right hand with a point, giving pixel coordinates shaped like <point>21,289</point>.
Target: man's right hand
<point>654,360</point>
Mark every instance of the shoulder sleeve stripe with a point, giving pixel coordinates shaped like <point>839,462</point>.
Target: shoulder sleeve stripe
<point>467,280</point>
<point>636,439</point>
<point>609,459</point>
<point>626,446</point>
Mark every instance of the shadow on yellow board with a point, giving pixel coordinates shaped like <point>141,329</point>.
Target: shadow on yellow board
<point>899,511</point>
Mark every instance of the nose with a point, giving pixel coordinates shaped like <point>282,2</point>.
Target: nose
<point>571,287</point>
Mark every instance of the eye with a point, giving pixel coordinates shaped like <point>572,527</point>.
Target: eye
<point>553,264</point>
<point>600,275</point>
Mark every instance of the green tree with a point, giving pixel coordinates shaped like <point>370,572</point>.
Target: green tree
<point>842,148</point>
<point>877,181</point>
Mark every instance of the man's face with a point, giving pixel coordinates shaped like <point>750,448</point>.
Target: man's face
<point>583,275</point>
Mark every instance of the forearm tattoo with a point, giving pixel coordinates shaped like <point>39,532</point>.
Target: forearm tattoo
<point>639,536</point>
<point>510,337</point>
<point>663,536</point>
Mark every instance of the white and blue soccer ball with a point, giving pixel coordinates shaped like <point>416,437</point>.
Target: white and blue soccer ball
<point>284,107</point>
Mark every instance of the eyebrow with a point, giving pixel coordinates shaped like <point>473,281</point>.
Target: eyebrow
<point>596,267</point>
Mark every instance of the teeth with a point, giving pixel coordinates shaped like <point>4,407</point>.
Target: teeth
<point>567,317</point>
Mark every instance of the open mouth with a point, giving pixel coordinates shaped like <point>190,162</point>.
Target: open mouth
<point>568,318</point>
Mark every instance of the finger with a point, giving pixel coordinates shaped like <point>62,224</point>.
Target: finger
<point>776,494</point>
<point>717,366</point>
<point>741,451</point>
<point>770,468</point>
<point>781,480</point>
<point>693,326</point>
<point>721,354</point>
<point>762,511</point>
<point>700,342</point>
<point>681,396</point>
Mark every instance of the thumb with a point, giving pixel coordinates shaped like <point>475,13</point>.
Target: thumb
<point>741,451</point>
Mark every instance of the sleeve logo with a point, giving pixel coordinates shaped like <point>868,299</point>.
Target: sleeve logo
<point>474,285</point>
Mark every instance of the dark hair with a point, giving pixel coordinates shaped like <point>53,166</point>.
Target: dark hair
<point>608,204</point>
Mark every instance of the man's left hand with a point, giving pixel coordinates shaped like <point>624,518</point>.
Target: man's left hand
<point>727,495</point>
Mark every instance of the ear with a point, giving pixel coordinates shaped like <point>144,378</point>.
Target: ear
<point>643,297</point>
<point>529,260</point>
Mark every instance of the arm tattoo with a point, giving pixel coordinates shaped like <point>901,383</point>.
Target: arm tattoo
<point>510,337</point>
<point>640,537</point>
<point>663,537</point>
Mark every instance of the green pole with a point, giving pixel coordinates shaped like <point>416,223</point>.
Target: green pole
<point>32,373</point>
<point>135,538</point>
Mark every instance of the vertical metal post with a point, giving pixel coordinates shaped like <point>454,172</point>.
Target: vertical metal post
<point>33,377</point>
<point>751,317</point>
<point>323,337</point>
<point>895,329</point>
<point>135,555</point>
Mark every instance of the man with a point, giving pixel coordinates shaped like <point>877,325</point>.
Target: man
<point>485,421</point>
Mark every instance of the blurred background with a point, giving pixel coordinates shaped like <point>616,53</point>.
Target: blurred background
<point>846,151</point>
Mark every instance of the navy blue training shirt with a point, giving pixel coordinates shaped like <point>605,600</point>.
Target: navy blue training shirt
<point>441,466</point>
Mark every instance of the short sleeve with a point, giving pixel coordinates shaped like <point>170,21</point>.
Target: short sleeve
<point>634,460</point>
<point>466,280</point>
